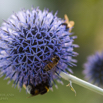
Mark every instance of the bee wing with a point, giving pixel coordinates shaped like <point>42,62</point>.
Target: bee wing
<point>71,23</point>
<point>66,18</point>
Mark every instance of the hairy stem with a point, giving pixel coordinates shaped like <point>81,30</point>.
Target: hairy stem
<point>81,82</point>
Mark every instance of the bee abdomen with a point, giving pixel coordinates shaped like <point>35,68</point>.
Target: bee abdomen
<point>48,67</point>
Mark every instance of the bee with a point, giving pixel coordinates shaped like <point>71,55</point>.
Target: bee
<point>69,24</point>
<point>52,64</point>
<point>41,88</point>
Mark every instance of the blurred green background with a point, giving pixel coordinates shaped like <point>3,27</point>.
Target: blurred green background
<point>88,17</point>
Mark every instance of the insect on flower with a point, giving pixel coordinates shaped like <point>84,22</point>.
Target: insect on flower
<point>41,88</point>
<point>52,64</point>
<point>36,46</point>
<point>69,24</point>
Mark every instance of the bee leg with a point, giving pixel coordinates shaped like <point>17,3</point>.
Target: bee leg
<point>24,86</point>
<point>70,85</point>
<point>46,89</point>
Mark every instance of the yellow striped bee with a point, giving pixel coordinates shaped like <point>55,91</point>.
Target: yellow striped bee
<point>69,24</point>
<point>41,88</point>
<point>52,64</point>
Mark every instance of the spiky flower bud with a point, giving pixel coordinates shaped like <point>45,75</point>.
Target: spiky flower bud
<point>29,41</point>
<point>93,69</point>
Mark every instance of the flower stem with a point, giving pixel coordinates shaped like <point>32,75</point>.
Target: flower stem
<point>81,82</point>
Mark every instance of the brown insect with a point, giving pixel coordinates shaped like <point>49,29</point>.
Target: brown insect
<point>69,24</point>
<point>52,64</point>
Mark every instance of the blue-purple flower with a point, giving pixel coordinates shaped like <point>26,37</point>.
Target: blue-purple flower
<point>94,69</point>
<point>28,41</point>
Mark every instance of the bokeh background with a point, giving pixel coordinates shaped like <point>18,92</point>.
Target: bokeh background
<point>88,17</point>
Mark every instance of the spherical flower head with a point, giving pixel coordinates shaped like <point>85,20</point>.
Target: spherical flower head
<point>29,40</point>
<point>93,69</point>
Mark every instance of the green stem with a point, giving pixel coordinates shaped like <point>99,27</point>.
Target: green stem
<point>81,82</point>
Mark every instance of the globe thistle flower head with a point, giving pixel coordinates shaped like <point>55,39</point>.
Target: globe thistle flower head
<point>93,69</point>
<point>30,39</point>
